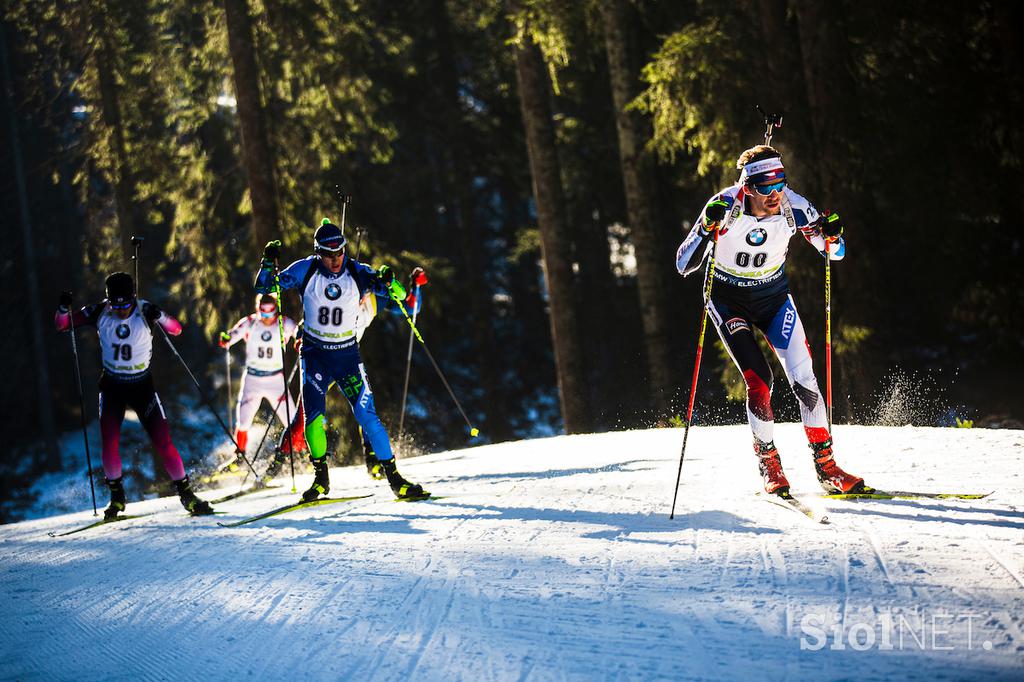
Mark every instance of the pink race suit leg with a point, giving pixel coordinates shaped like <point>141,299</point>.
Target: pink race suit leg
<point>155,422</point>
<point>111,415</point>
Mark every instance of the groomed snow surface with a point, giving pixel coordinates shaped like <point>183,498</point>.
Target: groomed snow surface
<point>550,559</point>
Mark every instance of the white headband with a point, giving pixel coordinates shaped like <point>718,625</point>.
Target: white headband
<point>762,166</point>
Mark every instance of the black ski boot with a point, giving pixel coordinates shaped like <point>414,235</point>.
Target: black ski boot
<point>276,462</point>
<point>402,488</point>
<point>194,505</point>
<point>117,498</point>
<point>321,480</point>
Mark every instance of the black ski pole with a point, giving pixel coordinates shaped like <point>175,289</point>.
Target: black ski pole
<point>270,420</point>
<point>408,370</point>
<point>205,398</point>
<point>287,380</point>
<point>473,431</point>
<point>81,403</point>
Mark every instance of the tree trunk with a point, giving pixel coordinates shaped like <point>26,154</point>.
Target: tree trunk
<point>472,235</point>
<point>124,189</point>
<point>652,263</point>
<point>785,92</point>
<point>35,305</point>
<point>534,91</point>
<point>832,105</point>
<point>259,163</point>
<point>828,83</point>
<point>596,288</point>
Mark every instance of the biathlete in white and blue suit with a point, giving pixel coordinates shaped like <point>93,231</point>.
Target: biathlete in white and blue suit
<point>332,286</point>
<point>755,220</point>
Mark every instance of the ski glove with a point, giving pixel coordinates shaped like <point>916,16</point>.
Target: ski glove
<point>64,302</point>
<point>417,278</point>
<point>272,251</point>
<point>151,312</point>
<point>224,340</point>
<point>713,215</point>
<point>394,287</point>
<point>831,226</point>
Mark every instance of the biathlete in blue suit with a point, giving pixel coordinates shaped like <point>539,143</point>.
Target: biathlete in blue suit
<point>333,286</point>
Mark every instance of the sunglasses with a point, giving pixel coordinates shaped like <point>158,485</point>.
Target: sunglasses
<point>122,306</point>
<point>765,190</point>
<point>327,253</point>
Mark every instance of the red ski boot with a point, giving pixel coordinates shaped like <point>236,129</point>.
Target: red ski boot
<point>830,476</point>
<point>771,468</point>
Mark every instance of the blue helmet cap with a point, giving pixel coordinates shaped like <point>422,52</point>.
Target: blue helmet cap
<point>328,237</point>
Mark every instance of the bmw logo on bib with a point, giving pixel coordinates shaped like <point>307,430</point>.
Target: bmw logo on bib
<point>333,291</point>
<point>266,336</point>
<point>757,236</point>
<point>122,331</point>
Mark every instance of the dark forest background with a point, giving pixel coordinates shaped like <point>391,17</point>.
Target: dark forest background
<point>542,160</point>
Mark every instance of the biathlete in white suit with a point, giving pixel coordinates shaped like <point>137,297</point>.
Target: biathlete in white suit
<point>126,344</point>
<point>264,368</point>
<point>331,286</point>
<point>755,220</point>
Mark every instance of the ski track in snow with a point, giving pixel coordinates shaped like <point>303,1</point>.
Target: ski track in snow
<point>547,560</point>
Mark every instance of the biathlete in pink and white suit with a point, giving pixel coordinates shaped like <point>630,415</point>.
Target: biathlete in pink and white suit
<point>126,343</point>
<point>264,367</point>
<point>755,220</point>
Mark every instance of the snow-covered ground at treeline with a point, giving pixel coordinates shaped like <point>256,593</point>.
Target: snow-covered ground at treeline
<point>550,559</point>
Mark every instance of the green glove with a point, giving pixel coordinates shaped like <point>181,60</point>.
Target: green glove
<point>272,250</point>
<point>387,276</point>
<point>713,215</point>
